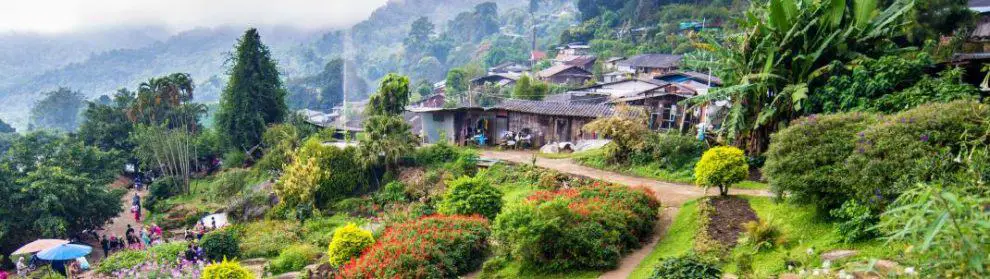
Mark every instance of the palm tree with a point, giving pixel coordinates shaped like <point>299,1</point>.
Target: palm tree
<point>783,53</point>
<point>386,140</point>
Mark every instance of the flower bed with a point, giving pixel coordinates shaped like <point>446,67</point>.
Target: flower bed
<point>430,247</point>
<point>578,228</point>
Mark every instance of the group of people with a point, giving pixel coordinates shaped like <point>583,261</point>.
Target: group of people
<point>132,239</point>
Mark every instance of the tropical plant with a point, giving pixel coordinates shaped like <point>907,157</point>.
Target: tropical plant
<point>387,139</point>
<point>721,167</point>
<point>780,59</point>
<point>947,227</point>
<point>391,98</point>
<point>348,242</point>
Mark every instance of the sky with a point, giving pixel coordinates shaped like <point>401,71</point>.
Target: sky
<point>54,16</point>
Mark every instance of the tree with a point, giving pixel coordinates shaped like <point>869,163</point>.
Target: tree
<point>166,100</point>
<point>486,18</point>
<point>457,83</point>
<point>387,139</point>
<point>254,96</point>
<point>418,39</point>
<point>59,109</point>
<point>469,196</point>
<point>171,150</point>
<point>392,96</point>
<point>6,128</point>
<point>779,60</point>
<point>931,19</point>
<point>528,89</point>
<point>627,129</point>
<point>106,125</point>
<point>721,167</point>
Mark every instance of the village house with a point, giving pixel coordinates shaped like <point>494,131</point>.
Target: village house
<point>649,65</point>
<point>499,79</point>
<point>565,75</point>
<point>508,68</point>
<point>545,122</point>
<point>978,42</point>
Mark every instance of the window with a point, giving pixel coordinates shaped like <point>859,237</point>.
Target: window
<point>438,117</point>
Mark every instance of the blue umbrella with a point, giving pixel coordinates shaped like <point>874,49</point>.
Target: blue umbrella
<point>65,252</point>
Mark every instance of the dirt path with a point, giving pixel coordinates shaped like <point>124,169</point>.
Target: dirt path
<point>670,194</point>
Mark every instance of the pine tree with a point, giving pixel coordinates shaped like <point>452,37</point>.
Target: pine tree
<point>254,96</point>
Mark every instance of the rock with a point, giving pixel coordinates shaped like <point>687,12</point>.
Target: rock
<point>789,276</point>
<point>837,254</point>
<point>290,275</point>
<point>886,267</point>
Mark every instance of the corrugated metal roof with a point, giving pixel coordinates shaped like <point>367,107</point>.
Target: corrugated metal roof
<point>552,71</point>
<point>654,60</point>
<point>552,108</point>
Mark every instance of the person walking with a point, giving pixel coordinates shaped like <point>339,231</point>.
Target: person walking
<point>22,268</point>
<point>105,244</point>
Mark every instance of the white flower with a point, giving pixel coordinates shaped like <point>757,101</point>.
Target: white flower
<point>827,264</point>
<point>810,251</point>
<point>909,270</point>
<point>790,267</point>
<point>816,272</point>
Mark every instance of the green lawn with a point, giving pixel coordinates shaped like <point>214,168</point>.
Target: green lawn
<point>802,228</point>
<point>678,241</point>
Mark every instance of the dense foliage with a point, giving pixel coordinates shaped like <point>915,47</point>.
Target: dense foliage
<point>348,242</point>
<point>53,187</point>
<point>470,196</point>
<point>254,96</point>
<point>430,247</point>
<point>59,109</point>
<point>226,270</point>
<point>320,175</point>
<point>807,159</point>
<point>721,167</point>
<point>626,127</point>
<point>294,258</point>
<point>578,228</point>
<point>686,267</point>
<point>221,244</point>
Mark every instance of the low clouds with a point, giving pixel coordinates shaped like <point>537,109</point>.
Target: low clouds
<point>74,15</point>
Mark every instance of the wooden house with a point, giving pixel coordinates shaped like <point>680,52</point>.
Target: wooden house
<point>650,65</point>
<point>546,122</point>
<point>565,75</point>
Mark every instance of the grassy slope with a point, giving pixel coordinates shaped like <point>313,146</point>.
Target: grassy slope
<point>803,230</point>
<point>678,241</point>
<point>801,226</point>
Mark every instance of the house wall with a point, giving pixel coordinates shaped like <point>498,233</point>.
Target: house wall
<point>436,124</point>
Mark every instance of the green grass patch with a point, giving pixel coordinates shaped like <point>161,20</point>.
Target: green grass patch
<point>804,228</point>
<point>678,241</point>
<point>513,270</point>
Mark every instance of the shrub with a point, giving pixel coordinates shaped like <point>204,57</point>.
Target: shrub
<point>685,268</point>
<point>321,174</point>
<point>319,231</point>
<point>467,196</point>
<point>221,244</point>
<point>807,159</point>
<point>159,191</point>
<point>121,260</point>
<point>228,184</point>
<point>857,221</point>
<point>578,228</point>
<point>435,155</point>
<point>234,159</point>
<point>167,252</point>
<point>721,167</point>
<point>915,146</point>
<point>280,141</point>
<point>267,238</point>
<point>393,192</point>
<point>431,247</point>
<point>627,129</point>
<point>226,270</point>
<point>552,180</point>
<point>294,258</point>
<point>348,242</point>
<point>761,235</point>
<point>673,151</point>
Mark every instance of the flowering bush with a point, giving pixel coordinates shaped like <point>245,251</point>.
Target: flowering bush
<point>347,243</point>
<point>721,167</point>
<point>431,247</point>
<point>467,196</point>
<point>221,244</point>
<point>806,160</point>
<point>578,228</point>
<point>226,270</point>
<point>918,145</point>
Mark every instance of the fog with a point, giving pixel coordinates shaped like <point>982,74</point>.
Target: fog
<point>55,16</point>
